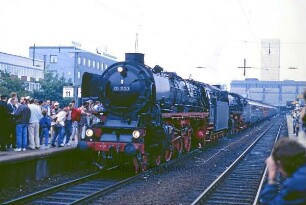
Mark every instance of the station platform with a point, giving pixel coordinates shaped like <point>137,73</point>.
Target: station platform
<point>26,166</point>
<point>13,156</point>
<point>301,136</point>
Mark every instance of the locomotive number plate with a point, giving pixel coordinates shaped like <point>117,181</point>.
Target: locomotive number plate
<point>121,88</point>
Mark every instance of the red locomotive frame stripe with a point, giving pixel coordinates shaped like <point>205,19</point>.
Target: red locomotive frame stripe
<point>188,114</point>
<point>118,146</point>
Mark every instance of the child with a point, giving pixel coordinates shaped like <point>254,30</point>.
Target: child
<point>45,124</point>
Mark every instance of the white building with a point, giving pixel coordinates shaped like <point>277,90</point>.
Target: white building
<point>277,93</point>
<point>26,69</point>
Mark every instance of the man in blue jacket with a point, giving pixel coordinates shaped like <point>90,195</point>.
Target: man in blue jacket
<point>289,158</point>
<point>22,115</point>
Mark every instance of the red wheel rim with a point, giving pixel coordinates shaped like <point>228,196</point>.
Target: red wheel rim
<point>136,164</point>
<point>179,146</point>
<point>187,143</point>
<point>168,155</point>
<point>144,163</point>
<point>157,160</point>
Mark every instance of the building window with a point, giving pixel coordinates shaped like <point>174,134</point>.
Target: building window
<point>79,60</point>
<point>88,63</point>
<point>94,64</point>
<point>24,78</point>
<point>84,61</point>
<point>53,58</point>
<point>98,65</point>
<point>79,74</point>
<point>30,86</point>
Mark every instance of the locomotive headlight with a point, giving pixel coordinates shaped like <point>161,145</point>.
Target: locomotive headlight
<point>120,69</point>
<point>136,134</point>
<point>89,133</point>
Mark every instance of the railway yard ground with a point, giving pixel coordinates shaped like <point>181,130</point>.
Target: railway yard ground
<point>181,181</point>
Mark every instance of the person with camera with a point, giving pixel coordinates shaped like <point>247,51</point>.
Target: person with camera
<point>289,159</point>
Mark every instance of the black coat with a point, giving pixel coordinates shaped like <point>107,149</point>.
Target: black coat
<point>22,114</point>
<point>4,120</point>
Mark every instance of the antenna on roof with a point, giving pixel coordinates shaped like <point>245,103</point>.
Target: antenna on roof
<point>136,43</point>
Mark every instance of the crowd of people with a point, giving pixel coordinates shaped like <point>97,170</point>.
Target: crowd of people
<point>29,123</point>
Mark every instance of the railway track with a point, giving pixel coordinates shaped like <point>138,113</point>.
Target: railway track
<point>83,189</point>
<point>169,184</point>
<point>54,189</point>
<point>239,183</point>
<point>109,191</point>
<point>73,192</point>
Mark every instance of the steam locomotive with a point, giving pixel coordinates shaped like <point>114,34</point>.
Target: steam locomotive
<point>151,115</point>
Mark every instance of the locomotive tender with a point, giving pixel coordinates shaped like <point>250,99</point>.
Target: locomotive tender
<point>151,114</point>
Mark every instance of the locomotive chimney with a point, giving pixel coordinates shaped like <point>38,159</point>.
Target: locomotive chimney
<point>138,57</point>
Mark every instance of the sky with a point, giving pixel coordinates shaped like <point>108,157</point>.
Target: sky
<point>206,40</point>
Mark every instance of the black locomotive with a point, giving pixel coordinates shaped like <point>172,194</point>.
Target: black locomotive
<point>151,114</point>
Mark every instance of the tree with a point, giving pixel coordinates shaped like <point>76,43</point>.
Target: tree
<point>10,83</point>
<point>52,88</point>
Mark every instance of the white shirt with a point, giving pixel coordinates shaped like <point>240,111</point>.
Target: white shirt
<point>36,114</point>
<point>61,116</point>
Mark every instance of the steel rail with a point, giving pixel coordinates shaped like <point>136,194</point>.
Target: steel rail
<point>231,167</point>
<point>29,197</point>
<point>264,175</point>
